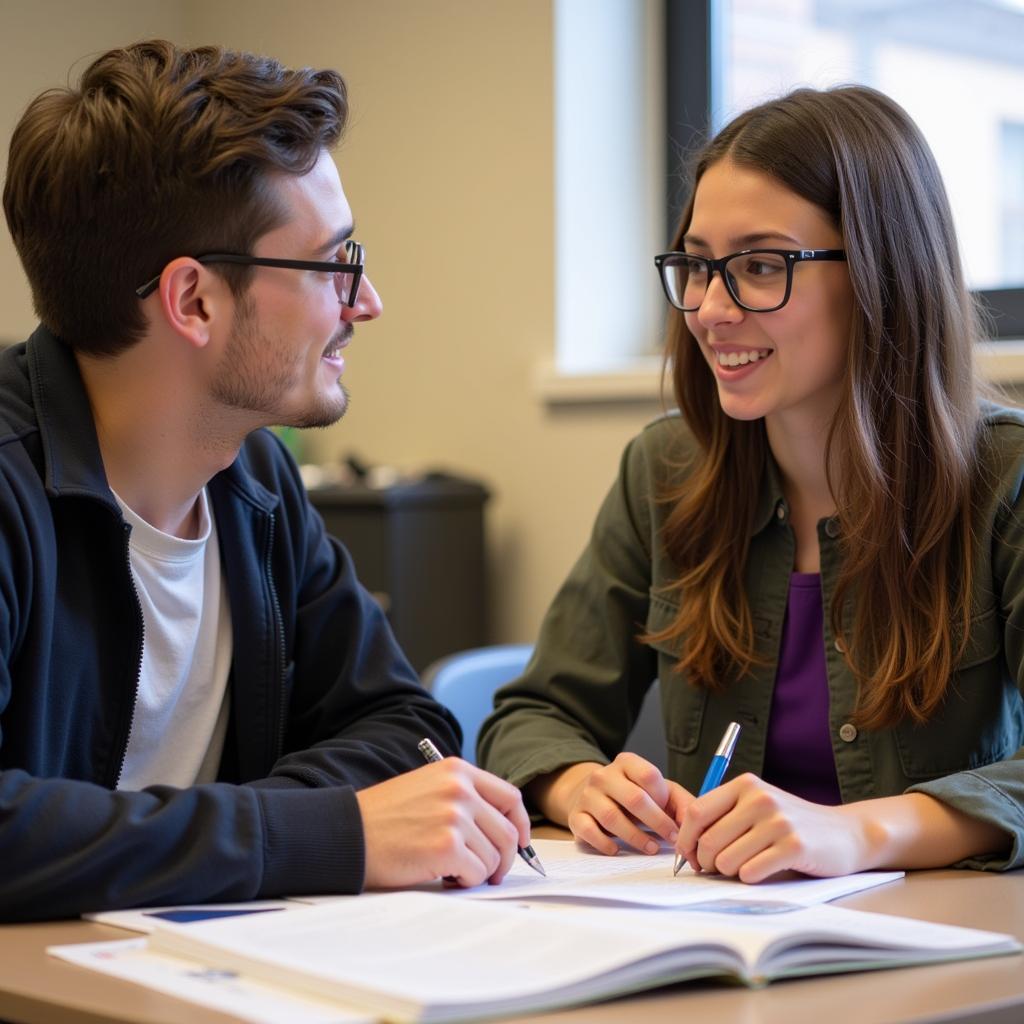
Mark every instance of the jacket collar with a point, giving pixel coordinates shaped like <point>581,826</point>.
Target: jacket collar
<point>771,497</point>
<point>73,464</point>
<point>71,450</point>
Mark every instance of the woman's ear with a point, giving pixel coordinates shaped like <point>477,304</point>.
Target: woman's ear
<point>190,299</point>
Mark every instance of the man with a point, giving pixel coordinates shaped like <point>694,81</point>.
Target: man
<point>197,699</point>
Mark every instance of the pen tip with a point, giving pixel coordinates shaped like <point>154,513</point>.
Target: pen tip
<point>678,865</point>
<point>530,856</point>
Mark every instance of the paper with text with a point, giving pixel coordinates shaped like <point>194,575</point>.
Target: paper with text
<point>579,874</point>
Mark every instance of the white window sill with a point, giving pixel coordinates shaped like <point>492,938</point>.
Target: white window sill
<point>635,381</point>
<point>1002,362</point>
<point>640,380</point>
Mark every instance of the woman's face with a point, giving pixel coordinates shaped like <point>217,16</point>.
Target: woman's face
<point>790,363</point>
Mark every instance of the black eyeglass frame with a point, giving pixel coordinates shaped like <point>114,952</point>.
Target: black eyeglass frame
<point>355,252</point>
<point>791,256</point>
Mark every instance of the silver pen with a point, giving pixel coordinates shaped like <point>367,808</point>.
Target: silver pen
<point>430,754</point>
<point>719,763</point>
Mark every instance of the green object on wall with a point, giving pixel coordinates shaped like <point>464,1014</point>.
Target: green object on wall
<point>293,440</point>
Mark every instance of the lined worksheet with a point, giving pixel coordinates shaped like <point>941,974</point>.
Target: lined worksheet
<point>575,872</point>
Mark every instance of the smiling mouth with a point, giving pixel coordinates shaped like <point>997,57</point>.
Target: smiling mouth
<point>731,359</point>
<point>335,345</point>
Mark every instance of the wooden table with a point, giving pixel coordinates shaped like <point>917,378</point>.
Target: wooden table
<point>37,989</point>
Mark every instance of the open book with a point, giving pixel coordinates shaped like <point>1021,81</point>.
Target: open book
<point>419,956</point>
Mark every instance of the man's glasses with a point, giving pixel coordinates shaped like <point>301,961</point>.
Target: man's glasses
<point>758,280</point>
<point>347,276</point>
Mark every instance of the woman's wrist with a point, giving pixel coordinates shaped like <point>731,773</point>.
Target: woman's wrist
<point>917,831</point>
<point>871,834</point>
<point>555,794</point>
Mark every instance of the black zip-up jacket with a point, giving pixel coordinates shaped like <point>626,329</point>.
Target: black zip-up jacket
<point>322,700</point>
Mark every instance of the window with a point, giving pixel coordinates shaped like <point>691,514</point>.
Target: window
<point>1011,197</point>
<point>609,183</point>
<point>959,72</point>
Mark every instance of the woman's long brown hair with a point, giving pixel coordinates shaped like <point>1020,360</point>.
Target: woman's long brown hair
<point>903,442</point>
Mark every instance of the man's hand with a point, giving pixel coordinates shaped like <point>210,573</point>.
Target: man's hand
<point>445,819</point>
<point>619,800</point>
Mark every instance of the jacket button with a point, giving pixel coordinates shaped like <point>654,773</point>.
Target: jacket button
<point>832,527</point>
<point>780,510</point>
<point>847,732</point>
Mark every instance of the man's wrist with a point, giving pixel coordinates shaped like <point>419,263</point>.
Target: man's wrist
<point>313,841</point>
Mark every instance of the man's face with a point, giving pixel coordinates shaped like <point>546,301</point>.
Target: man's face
<point>283,359</point>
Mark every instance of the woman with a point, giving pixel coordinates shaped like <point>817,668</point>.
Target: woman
<point>825,546</point>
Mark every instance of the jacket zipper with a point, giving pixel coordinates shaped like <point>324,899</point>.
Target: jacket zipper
<point>127,530</point>
<point>281,659</point>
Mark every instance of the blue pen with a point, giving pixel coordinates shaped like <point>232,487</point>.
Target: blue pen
<point>719,763</point>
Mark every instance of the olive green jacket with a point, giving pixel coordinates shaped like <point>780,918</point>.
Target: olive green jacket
<point>582,690</point>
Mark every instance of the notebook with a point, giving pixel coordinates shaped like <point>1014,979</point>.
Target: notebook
<point>419,956</point>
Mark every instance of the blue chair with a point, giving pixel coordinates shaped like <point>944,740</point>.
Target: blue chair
<point>465,683</point>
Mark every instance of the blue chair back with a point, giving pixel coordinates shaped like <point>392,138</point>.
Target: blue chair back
<point>465,683</point>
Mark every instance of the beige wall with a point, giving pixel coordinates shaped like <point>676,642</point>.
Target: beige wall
<point>43,43</point>
<point>448,167</point>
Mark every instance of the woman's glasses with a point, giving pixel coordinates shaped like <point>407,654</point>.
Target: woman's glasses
<point>758,280</point>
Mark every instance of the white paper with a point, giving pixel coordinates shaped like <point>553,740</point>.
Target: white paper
<point>574,872</point>
<point>427,948</point>
<point>229,992</point>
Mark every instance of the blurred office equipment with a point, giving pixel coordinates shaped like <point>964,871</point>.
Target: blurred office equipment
<point>418,546</point>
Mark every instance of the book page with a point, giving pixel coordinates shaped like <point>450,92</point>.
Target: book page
<point>773,939</point>
<point>402,951</point>
<point>834,939</point>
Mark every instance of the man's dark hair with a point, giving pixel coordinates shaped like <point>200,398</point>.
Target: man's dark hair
<point>160,152</point>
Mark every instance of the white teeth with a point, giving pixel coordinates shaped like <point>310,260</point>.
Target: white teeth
<point>741,358</point>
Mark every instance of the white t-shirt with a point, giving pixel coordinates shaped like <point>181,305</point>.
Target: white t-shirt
<point>181,711</point>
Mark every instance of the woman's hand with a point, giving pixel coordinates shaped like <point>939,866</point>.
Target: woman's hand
<point>617,801</point>
<point>749,829</point>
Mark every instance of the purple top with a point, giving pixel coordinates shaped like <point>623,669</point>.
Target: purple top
<point>798,751</point>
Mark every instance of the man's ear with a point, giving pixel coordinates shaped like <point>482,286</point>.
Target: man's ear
<point>192,299</point>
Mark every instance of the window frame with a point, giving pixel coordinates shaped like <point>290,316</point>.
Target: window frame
<point>689,74</point>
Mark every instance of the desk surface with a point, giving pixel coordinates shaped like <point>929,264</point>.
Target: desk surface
<point>37,989</point>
